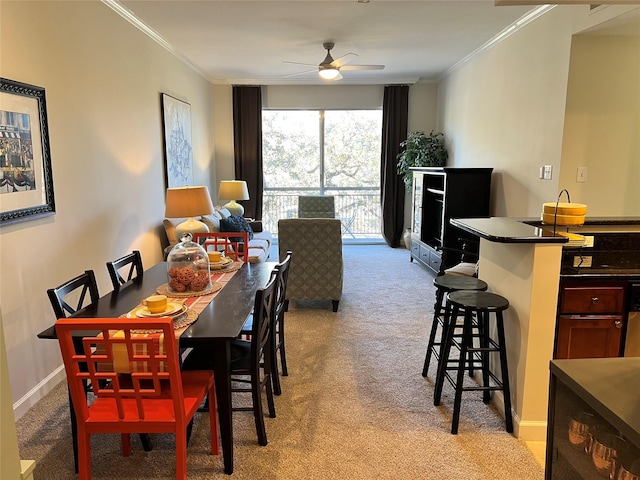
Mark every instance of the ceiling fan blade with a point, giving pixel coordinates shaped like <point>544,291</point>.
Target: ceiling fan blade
<point>299,63</point>
<point>340,61</point>
<point>315,70</point>
<point>362,67</point>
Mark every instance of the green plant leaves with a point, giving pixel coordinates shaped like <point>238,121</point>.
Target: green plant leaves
<point>421,150</point>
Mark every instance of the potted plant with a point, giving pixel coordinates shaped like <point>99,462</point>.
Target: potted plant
<point>421,150</point>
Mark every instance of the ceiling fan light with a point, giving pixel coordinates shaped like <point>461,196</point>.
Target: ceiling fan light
<point>329,73</point>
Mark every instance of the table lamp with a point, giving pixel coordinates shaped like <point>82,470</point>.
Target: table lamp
<point>233,190</point>
<point>188,202</point>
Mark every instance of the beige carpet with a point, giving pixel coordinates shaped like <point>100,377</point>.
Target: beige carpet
<point>353,407</point>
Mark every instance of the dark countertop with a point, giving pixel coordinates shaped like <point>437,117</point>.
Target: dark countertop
<point>609,386</point>
<point>506,230</point>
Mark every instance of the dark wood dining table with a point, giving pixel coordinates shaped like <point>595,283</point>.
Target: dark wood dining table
<point>218,324</point>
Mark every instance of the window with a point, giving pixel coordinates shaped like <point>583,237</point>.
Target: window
<point>318,152</point>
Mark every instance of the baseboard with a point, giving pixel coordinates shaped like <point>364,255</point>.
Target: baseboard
<point>525,430</point>
<point>38,392</point>
<point>26,469</point>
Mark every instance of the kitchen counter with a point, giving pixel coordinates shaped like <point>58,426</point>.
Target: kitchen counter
<point>507,230</point>
<point>523,260</point>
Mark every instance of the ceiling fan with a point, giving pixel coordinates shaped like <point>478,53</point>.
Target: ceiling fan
<point>329,69</point>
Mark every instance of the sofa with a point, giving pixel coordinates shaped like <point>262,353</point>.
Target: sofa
<point>259,245</point>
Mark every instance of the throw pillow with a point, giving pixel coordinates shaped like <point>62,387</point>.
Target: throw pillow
<point>211,221</point>
<point>235,223</point>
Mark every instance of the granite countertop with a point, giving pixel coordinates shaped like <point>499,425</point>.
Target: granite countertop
<point>616,252</point>
<point>507,230</point>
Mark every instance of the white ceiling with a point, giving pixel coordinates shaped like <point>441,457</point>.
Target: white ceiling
<point>246,41</point>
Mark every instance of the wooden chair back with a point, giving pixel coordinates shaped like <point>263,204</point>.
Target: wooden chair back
<point>233,244</point>
<point>74,292</point>
<point>136,380</point>
<point>125,269</point>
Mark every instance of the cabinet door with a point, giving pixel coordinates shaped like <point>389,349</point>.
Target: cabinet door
<point>589,336</point>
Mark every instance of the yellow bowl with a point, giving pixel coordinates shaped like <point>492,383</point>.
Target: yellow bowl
<point>565,208</point>
<point>550,219</point>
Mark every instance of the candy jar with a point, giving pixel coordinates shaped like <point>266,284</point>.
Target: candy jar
<point>188,267</point>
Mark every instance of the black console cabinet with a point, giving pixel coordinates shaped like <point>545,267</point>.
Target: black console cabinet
<point>439,194</point>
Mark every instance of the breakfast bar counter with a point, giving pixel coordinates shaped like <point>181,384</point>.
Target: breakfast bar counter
<point>521,262</point>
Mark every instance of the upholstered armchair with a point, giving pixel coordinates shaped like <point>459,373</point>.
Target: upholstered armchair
<point>316,206</point>
<point>316,270</point>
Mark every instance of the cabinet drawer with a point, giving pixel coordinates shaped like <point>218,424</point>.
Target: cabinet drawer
<point>592,300</point>
<point>424,254</point>
<point>415,249</point>
<point>434,261</point>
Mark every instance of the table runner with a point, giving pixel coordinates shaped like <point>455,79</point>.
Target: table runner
<point>195,305</point>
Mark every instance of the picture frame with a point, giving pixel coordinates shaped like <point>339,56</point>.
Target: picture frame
<point>26,182</point>
<point>176,121</point>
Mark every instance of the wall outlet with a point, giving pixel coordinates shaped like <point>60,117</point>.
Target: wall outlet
<point>582,261</point>
<point>546,172</point>
<point>588,241</point>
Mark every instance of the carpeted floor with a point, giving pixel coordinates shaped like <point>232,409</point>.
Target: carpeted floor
<point>354,405</point>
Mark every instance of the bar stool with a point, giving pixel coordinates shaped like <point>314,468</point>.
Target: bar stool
<point>482,304</point>
<point>446,284</point>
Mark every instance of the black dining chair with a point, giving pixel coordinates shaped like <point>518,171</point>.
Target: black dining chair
<point>74,292</point>
<point>125,269</point>
<point>250,359</point>
<point>281,274</point>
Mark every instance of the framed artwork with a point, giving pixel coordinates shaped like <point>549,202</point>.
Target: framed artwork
<point>26,184</point>
<point>176,120</point>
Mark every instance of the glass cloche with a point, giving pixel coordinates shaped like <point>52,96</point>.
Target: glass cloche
<point>188,267</point>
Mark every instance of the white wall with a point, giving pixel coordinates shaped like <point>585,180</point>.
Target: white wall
<point>103,80</point>
<point>602,125</point>
<point>506,109</point>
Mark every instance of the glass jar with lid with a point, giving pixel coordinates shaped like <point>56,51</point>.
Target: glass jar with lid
<point>188,267</point>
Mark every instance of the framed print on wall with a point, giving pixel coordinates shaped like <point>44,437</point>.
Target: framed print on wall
<point>26,182</point>
<point>176,119</point>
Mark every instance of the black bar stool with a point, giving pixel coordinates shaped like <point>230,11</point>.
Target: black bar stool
<point>482,304</point>
<point>446,284</point>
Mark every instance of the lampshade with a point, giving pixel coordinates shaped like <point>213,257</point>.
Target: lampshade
<point>233,190</point>
<point>188,202</point>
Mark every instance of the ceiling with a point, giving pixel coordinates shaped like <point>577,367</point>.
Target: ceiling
<point>244,42</point>
<point>247,42</point>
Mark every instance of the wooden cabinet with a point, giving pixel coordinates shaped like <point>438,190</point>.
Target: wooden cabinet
<point>439,194</point>
<point>591,317</point>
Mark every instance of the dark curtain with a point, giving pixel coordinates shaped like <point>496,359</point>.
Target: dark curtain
<point>394,131</point>
<point>247,145</point>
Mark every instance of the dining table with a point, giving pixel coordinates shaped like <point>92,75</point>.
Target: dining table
<point>219,322</point>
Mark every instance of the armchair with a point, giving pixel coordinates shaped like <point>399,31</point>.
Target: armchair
<point>316,271</point>
<point>316,206</point>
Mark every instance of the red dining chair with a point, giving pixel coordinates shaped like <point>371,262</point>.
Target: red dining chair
<point>137,383</point>
<point>233,244</point>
